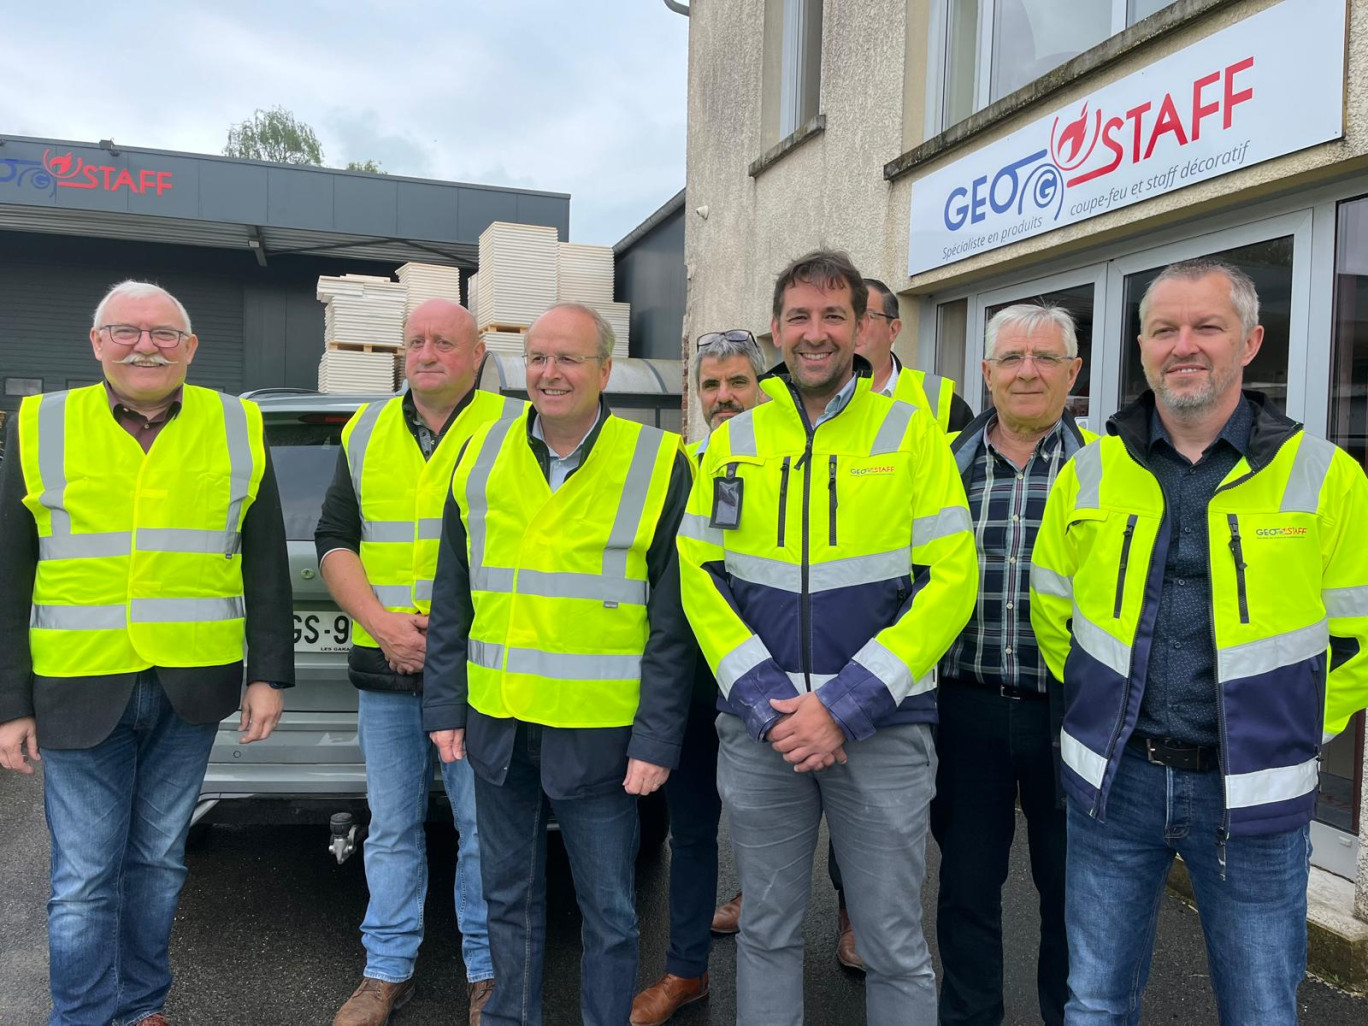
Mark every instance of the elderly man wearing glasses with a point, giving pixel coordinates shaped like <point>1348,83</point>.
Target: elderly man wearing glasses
<point>377,548</point>
<point>726,380</point>
<point>142,552</point>
<point>559,660</point>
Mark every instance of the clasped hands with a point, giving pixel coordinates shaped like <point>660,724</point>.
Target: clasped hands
<point>806,735</point>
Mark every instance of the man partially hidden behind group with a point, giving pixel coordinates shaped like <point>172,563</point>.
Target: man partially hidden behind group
<point>559,661</point>
<point>377,547</point>
<point>142,552</point>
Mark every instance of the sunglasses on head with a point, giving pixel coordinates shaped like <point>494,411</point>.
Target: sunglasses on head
<point>735,335</point>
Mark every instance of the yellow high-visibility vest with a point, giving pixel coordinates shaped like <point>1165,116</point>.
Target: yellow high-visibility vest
<point>930,392</point>
<point>559,579</point>
<point>139,560</point>
<point>400,495</point>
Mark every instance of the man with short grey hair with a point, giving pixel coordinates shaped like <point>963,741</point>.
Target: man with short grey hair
<point>995,698</point>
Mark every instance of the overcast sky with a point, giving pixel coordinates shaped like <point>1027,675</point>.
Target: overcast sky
<point>584,96</point>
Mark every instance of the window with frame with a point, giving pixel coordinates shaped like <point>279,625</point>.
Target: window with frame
<point>994,47</point>
<point>800,65</point>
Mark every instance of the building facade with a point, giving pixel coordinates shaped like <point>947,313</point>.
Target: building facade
<point>976,153</point>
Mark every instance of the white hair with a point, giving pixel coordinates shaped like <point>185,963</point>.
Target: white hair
<point>1029,317</point>
<point>131,289</point>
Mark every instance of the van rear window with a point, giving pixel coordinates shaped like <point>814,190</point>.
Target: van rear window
<point>305,458</point>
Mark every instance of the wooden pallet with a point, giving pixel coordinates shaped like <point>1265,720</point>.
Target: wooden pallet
<point>366,347</point>
<point>512,329</point>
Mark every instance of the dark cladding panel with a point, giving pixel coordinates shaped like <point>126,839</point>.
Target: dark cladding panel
<point>365,205</point>
<point>428,211</point>
<point>547,210</point>
<point>166,185</point>
<point>650,275</point>
<point>234,192</point>
<point>479,207</point>
<point>299,200</point>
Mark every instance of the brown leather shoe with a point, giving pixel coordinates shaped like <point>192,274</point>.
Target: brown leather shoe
<point>845,944</point>
<point>372,1002</point>
<point>667,995</point>
<point>479,995</point>
<point>155,1019</point>
<point>727,916</point>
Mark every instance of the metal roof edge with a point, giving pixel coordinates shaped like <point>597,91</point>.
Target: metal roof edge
<point>671,206</point>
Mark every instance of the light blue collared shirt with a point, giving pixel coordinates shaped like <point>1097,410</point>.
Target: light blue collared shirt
<point>838,402</point>
<point>560,466</point>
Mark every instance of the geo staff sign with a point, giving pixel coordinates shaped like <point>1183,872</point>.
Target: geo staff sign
<point>1268,85</point>
<point>71,171</point>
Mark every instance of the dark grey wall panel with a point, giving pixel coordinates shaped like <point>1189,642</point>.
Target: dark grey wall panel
<point>297,199</point>
<point>650,275</point>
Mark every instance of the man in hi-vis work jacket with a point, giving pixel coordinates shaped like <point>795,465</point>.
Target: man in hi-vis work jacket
<point>559,659</point>
<point>377,548</point>
<point>143,558</point>
<point>827,563</point>
<point>1200,585</point>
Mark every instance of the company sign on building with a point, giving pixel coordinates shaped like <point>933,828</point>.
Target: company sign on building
<point>1268,85</point>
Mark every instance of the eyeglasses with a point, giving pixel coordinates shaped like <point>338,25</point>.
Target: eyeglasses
<point>1044,361</point>
<point>128,335</point>
<point>442,345</point>
<point>542,360</point>
<point>735,335</point>
<point>876,313</point>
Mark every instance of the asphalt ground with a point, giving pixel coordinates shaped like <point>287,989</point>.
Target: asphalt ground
<point>267,933</point>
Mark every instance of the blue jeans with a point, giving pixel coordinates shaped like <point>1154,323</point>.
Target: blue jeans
<point>118,814</point>
<point>695,809</point>
<point>1253,918</point>
<point>600,834</point>
<point>876,807</point>
<point>399,761</point>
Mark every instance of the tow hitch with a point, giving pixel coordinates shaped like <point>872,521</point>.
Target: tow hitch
<point>345,836</point>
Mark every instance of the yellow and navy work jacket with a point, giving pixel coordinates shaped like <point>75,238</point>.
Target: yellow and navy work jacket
<point>400,495</point>
<point>848,569</point>
<point>1289,603</point>
<point>139,560</point>
<point>558,580</point>
<point>929,392</point>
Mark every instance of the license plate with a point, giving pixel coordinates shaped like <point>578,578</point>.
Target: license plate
<point>322,632</point>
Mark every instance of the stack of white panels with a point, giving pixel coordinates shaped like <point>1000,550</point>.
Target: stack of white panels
<point>362,310</point>
<point>510,342</point>
<point>349,373</point>
<point>429,281</point>
<point>517,280</point>
<point>584,273</point>
<point>619,318</point>
<point>473,297</point>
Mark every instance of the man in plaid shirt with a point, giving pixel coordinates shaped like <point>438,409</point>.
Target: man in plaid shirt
<point>997,734</point>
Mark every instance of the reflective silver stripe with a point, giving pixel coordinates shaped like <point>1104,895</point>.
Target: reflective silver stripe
<point>477,487</point>
<point>485,653</point>
<point>359,442</point>
<point>52,459</point>
<point>512,408</point>
<point>422,589</point>
<point>78,618</point>
<point>818,679</point>
<point>1107,650</point>
<point>1345,601</point>
<point>1088,469</point>
<point>932,385</point>
<point>239,459</point>
<point>573,665</point>
<point>891,431</point>
<point>632,504</point>
<point>186,610</point>
<point>1082,759</point>
<point>187,539</point>
<point>835,573</point>
<point>1047,582</point>
<point>391,595</point>
<point>741,430</point>
<point>551,584</point>
<point>879,660</point>
<point>1254,657</point>
<point>429,528</point>
<point>740,661</point>
<point>387,531</point>
<point>1264,787</point>
<point>950,521</point>
<point>83,546</point>
<point>1309,468</point>
<point>491,578</point>
<point>696,527</point>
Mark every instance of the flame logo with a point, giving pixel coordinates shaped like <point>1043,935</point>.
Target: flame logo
<point>62,167</point>
<point>1072,146</point>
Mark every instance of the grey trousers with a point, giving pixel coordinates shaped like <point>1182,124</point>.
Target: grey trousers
<point>876,808</point>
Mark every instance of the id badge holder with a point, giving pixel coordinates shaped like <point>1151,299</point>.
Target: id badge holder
<point>726,508</point>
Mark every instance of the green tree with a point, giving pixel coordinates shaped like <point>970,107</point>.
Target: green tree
<point>369,164</point>
<point>274,135</point>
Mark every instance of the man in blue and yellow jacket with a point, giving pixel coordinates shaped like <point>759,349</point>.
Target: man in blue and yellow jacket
<point>827,563</point>
<point>1201,587</point>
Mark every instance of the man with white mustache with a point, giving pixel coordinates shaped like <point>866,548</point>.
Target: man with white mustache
<point>143,551</point>
<point>1200,586</point>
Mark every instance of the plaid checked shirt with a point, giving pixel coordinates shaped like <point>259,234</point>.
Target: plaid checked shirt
<point>997,647</point>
